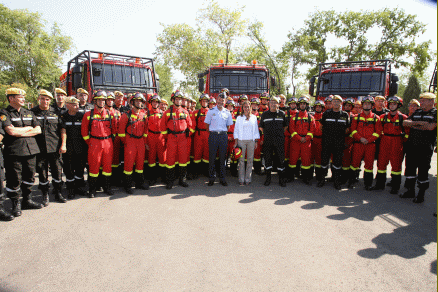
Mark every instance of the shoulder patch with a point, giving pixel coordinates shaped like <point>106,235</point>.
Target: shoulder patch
<point>3,118</point>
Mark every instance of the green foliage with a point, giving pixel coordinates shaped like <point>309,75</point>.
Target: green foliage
<point>166,82</point>
<point>412,91</point>
<point>399,30</point>
<point>29,54</point>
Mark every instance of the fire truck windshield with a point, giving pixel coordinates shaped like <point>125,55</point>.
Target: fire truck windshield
<point>238,81</point>
<point>120,75</point>
<point>356,83</point>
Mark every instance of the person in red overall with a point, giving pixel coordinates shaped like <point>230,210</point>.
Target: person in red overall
<point>229,104</point>
<point>302,127</point>
<point>155,141</point>
<point>200,159</point>
<point>116,173</point>
<point>346,158</point>
<point>292,103</point>
<point>98,129</point>
<point>176,126</point>
<point>365,129</point>
<point>391,145</point>
<point>328,102</point>
<point>318,106</point>
<point>133,132</point>
<point>257,163</point>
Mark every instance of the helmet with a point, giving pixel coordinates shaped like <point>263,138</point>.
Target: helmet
<point>236,154</point>
<point>212,100</point>
<point>255,100</point>
<point>264,95</point>
<point>395,99</point>
<point>139,96</point>
<point>110,95</point>
<point>292,100</point>
<point>164,101</point>
<point>204,96</point>
<point>282,96</point>
<point>155,97</point>
<point>379,97</point>
<point>229,102</point>
<point>176,93</point>
<point>358,102</point>
<point>338,97</point>
<point>243,97</point>
<point>329,98</point>
<point>368,98</point>
<point>222,95</point>
<point>100,94</point>
<point>319,102</point>
<point>349,100</point>
<point>303,99</point>
<point>276,99</point>
<point>414,101</point>
<point>225,90</point>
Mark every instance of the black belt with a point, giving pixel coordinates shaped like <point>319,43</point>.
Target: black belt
<point>393,135</point>
<point>230,133</point>
<point>218,133</point>
<point>201,129</point>
<point>155,132</point>
<point>101,138</point>
<point>173,132</point>
<point>134,136</point>
<point>302,135</point>
<point>317,136</point>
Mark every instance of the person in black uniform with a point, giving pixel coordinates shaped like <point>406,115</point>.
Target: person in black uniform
<point>84,106</point>
<point>420,147</point>
<point>59,103</point>
<point>52,143</point>
<point>273,124</point>
<point>74,158</point>
<point>20,127</point>
<point>335,123</point>
<point>4,216</point>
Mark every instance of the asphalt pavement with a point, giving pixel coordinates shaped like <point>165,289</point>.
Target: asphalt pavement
<point>235,238</point>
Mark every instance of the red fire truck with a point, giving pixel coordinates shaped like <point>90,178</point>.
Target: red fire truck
<point>98,70</point>
<point>354,79</point>
<point>251,80</point>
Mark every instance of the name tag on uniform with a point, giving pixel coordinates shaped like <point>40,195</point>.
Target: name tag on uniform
<point>15,119</point>
<point>40,118</point>
<point>52,118</point>
<point>27,119</point>
<point>68,123</point>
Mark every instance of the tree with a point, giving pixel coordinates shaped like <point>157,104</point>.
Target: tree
<point>166,82</point>
<point>412,91</point>
<point>29,54</point>
<point>353,32</point>
<point>191,50</point>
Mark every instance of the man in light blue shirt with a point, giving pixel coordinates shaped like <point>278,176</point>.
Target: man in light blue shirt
<point>217,121</point>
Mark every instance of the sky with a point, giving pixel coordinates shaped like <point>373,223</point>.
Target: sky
<point>131,26</point>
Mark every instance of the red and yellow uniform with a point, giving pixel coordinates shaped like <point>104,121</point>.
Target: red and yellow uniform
<point>155,139</point>
<point>368,126</point>
<point>289,114</point>
<point>302,125</point>
<point>317,141</point>
<point>200,137</point>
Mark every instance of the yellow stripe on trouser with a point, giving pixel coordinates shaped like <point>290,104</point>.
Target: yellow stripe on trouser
<point>368,170</point>
<point>396,173</point>
<point>93,174</point>
<point>127,172</point>
<point>106,173</point>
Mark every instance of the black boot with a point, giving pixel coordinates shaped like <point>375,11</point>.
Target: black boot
<point>320,178</point>
<point>107,186</point>
<point>268,177</point>
<point>28,203</point>
<point>152,174</point>
<point>16,207</point>
<point>395,183</point>
<point>140,183</point>
<point>257,165</point>
<point>337,178</point>
<point>92,181</point>
<point>5,216</point>
<point>282,178</point>
<point>233,168</point>
<point>351,179</point>
<point>380,181</point>
<point>344,175</point>
<point>46,198</point>
<point>127,184</point>
<point>298,169</point>
<point>290,174</point>
<point>71,194</point>
<point>170,173</point>
<point>420,196</point>
<point>183,176</point>
<point>368,180</point>
<point>57,187</point>
<point>306,175</point>
<point>410,185</point>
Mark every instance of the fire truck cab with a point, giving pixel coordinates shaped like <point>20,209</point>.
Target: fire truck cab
<point>105,71</point>
<point>252,80</point>
<point>354,79</point>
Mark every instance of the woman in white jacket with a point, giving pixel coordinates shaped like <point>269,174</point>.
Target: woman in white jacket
<point>246,135</point>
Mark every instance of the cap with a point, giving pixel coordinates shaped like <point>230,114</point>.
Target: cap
<point>358,102</point>
<point>282,96</point>
<point>379,97</point>
<point>15,91</point>
<point>60,91</point>
<point>414,101</point>
<point>164,101</point>
<point>118,93</point>
<point>81,90</point>
<point>427,95</point>
<point>71,99</point>
<point>337,97</point>
<point>45,93</point>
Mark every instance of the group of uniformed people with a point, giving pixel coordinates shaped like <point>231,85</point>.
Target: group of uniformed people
<point>117,143</point>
